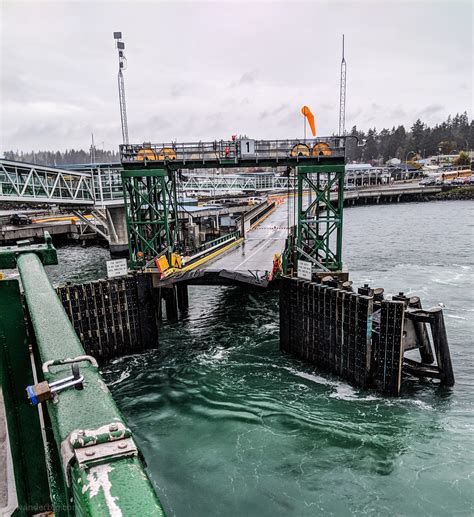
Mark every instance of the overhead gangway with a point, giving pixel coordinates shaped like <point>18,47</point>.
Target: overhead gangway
<point>228,183</point>
<point>234,153</point>
<point>27,182</point>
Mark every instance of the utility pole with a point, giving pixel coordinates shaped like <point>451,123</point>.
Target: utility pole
<point>121,85</point>
<point>342,95</point>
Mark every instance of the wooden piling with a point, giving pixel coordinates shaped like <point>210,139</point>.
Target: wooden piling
<point>440,339</point>
<point>171,303</point>
<point>182,297</point>
<point>426,353</point>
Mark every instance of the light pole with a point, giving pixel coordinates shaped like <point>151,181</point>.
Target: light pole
<point>121,85</point>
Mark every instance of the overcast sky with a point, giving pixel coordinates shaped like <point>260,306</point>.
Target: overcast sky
<point>204,71</point>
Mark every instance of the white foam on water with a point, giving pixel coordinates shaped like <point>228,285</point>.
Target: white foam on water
<point>449,280</point>
<point>343,391</point>
<point>420,404</point>
<point>454,316</point>
<point>124,375</point>
<point>347,392</point>
<point>463,266</point>
<point>318,379</point>
<point>214,356</point>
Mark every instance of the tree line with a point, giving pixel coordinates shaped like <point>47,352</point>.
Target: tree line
<point>58,158</point>
<point>451,136</point>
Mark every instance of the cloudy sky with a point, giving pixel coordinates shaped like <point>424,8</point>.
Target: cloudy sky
<point>199,71</point>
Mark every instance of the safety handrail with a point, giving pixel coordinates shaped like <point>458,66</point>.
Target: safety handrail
<point>95,448</point>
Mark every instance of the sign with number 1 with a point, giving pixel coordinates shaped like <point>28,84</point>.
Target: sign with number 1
<point>247,147</point>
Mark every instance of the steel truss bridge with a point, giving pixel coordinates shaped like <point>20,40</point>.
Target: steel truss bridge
<point>31,183</point>
<point>235,182</point>
<point>27,182</point>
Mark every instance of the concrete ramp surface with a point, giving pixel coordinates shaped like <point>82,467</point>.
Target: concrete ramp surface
<point>256,252</point>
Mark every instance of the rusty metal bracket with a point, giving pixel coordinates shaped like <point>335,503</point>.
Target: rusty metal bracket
<point>90,447</point>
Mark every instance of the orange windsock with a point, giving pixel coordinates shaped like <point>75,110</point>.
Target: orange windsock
<point>310,118</point>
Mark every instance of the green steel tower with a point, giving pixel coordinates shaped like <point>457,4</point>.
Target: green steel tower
<point>152,216</point>
<point>320,202</point>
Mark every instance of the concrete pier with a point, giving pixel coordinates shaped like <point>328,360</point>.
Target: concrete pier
<point>118,235</point>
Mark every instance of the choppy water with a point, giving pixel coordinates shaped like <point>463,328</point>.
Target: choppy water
<point>231,427</point>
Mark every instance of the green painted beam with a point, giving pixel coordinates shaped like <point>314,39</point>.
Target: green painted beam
<point>143,172</point>
<point>46,252</point>
<point>26,443</point>
<point>117,486</point>
<point>232,164</point>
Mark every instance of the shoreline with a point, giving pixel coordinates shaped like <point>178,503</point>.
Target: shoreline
<point>458,194</point>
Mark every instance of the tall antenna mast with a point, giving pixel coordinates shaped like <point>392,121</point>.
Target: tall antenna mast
<point>342,94</point>
<point>121,85</point>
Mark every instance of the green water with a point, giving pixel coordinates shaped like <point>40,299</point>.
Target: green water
<point>231,427</point>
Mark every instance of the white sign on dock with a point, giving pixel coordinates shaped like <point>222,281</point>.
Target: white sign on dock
<point>117,268</point>
<point>304,270</point>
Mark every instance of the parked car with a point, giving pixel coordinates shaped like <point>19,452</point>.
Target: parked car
<point>427,182</point>
<point>20,219</point>
<point>471,180</point>
<point>458,181</point>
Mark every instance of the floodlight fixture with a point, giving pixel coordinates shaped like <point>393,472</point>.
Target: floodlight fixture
<point>117,35</point>
<point>120,45</point>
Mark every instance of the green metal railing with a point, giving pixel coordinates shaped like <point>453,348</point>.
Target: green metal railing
<point>220,240</point>
<point>94,467</point>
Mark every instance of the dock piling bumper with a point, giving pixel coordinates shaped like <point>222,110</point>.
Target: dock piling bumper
<point>171,303</point>
<point>360,336</point>
<point>426,352</point>
<point>440,340</point>
<point>182,295</point>
<point>113,317</point>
